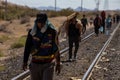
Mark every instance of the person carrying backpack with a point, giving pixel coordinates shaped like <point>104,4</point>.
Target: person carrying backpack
<point>97,24</point>
<point>84,23</point>
<point>73,31</point>
<point>42,44</point>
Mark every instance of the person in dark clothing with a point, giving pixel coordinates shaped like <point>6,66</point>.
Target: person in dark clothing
<point>114,18</point>
<point>73,29</point>
<point>103,17</point>
<point>42,44</point>
<point>108,24</point>
<point>84,23</point>
<point>117,18</point>
<point>97,24</point>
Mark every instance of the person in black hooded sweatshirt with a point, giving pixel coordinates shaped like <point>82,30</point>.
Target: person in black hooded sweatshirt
<point>42,44</point>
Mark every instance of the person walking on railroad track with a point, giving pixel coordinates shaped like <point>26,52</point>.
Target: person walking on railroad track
<point>114,18</point>
<point>117,18</point>
<point>108,24</point>
<point>84,23</point>
<point>97,24</point>
<point>91,20</point>
<point>73,30</point>
<point>42,44</point>
<point>103,17</point>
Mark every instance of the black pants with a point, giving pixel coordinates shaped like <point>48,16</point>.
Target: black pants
<point>73,40</point>
<point>96,30</point>
<point>103,24</point>
<point>84,28</point>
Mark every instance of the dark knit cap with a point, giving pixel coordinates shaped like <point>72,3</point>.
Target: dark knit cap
<point>41,17</point>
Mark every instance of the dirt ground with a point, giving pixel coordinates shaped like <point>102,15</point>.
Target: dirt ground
<point>69,69</point>
<point>14,30</point>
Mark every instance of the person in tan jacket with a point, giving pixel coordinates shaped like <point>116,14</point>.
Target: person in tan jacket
<point>73,30</point>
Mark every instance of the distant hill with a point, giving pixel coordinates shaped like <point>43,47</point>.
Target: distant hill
<point>58,9</point>
<point>83,9</point>
<point>49,8</point>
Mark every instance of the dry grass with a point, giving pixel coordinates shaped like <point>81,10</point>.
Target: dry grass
<point>15,39</point>
<point>1,54</point>
<point>19,43</point>
<point>4,38</point>
<point>18,30</point>
<point>2,68</point>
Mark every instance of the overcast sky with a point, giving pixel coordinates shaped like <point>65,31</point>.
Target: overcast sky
<point>90,4</point>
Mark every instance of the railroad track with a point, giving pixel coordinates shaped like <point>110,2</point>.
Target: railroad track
<point>26,73</point>
<point>88,73</point>
<point>99,55</point>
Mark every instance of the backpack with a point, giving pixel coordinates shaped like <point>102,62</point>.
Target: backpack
<point>97,21</point>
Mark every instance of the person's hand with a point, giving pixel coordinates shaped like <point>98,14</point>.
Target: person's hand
<point>24,66</point>
<point>58,68</point>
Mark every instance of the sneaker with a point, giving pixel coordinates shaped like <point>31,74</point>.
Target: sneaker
<point>74,59</point>
<point>70,60</point>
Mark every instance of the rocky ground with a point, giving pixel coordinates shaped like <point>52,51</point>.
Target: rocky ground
<point>87,52</point>
<point>11,59</point>
<point>109,65</point>
<point>11,64</point>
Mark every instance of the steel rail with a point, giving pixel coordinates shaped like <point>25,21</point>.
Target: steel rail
<point>98,57</point>
<point>21,76</point>
<point>66,49</point>
<point>27,73</point>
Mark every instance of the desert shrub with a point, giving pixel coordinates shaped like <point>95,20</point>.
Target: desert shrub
<point>19,43</point>
<point>25,20</point>
<point>4,38</point>
<point>63,12</point>
<point>2,28</point>
<point>52,13</point>
<point>2,67</point>
<point>66,12</point>
<point>15,11</point>
<point>1,54</point>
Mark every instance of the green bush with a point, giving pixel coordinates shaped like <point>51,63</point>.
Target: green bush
<point>1,54</point>
<point>3,38</point>
<point>2,68</point>
<point>20,43</point>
